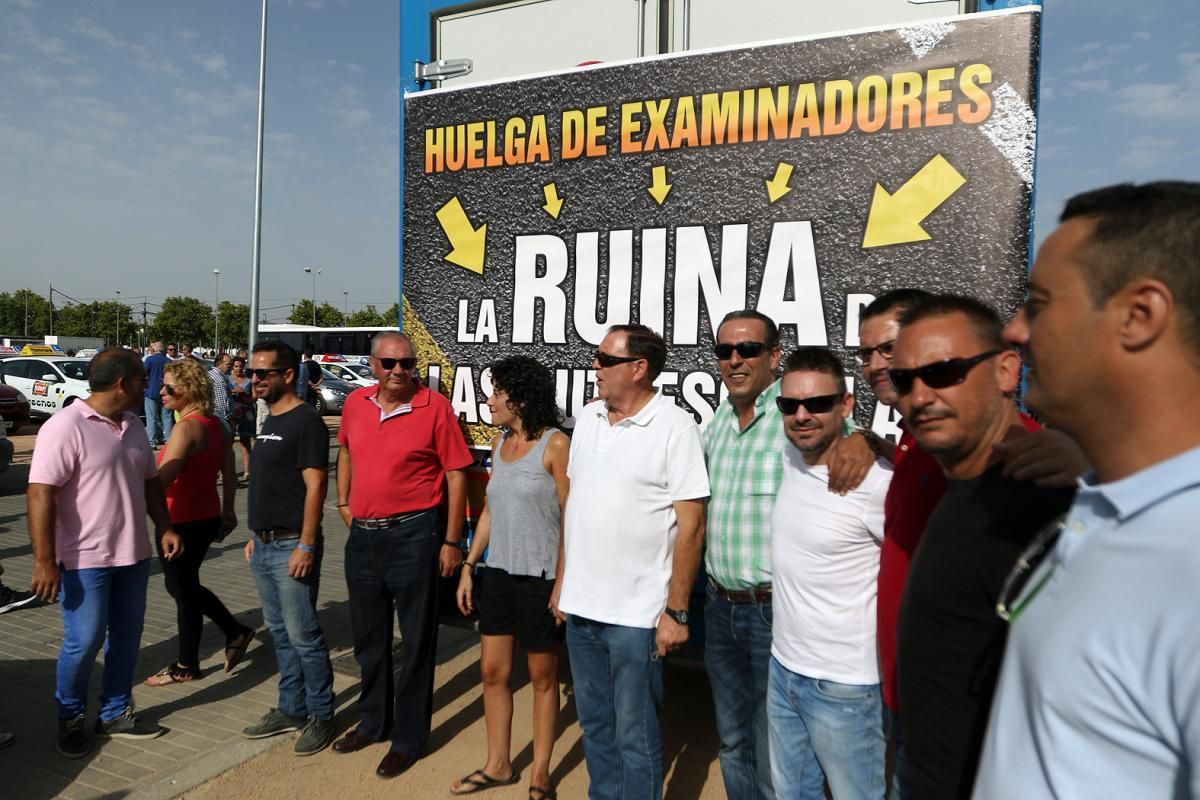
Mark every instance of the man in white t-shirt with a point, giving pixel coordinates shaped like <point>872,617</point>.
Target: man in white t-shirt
<point>823,694</point>
<point>633,537</point>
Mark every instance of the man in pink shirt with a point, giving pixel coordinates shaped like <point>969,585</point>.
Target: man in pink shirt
<point>91,484</point>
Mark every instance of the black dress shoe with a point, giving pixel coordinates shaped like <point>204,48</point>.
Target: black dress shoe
<point>352,742</point>
<point>394,764</point>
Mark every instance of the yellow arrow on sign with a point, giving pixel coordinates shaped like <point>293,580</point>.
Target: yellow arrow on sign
<point>467,241</point>
<point>777,187</point>
<point>553,202</point>
<point>659,188</point>
<point>896,218</point>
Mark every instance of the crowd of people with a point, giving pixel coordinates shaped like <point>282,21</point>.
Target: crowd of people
<point>1001,604</point>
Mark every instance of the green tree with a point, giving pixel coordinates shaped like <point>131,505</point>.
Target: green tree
<point>235,325</point>
<point>366,318</point>
<point>24,312</point>
<point>327,315</point>
<point>391,317</point>
<point>183,319</point>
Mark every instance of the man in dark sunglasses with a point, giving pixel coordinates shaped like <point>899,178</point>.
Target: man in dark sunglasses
<point>286,501</point>
<point>744,457</point>
<point>1100,689</point>
<point>402,455</point>
<point>633,534</point>
<point>955,382</point>
<point>823,694</point>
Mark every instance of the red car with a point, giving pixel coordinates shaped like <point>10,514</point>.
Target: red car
<point>14,408</point>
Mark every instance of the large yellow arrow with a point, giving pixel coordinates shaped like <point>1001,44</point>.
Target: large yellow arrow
<point>896,218</point>
<point>467,241</point>
<point>777,187</point>
<point>553,202</point>
<point>659,188</point>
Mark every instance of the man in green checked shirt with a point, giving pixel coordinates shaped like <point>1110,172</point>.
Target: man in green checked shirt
<point>743,448</point>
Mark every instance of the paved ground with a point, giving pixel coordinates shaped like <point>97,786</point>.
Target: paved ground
<point>206,716</point>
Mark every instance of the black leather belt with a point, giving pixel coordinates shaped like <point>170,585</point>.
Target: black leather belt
<point>277,535</point>
<point>379,523</point>
<point>759,594</point>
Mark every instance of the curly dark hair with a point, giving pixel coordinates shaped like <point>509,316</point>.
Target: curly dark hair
<point>530,387</point>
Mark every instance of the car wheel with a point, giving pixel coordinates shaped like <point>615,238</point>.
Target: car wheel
<point>319,405</point>
<point>68,401</point>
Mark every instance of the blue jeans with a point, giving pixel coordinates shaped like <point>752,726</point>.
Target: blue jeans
<point>841,723</point>
<point>737,656</point>
<point>289,609</point>
<point>901,789</point>
<point>100,606</point>
<point>618,693</point>
<point>159,421</point>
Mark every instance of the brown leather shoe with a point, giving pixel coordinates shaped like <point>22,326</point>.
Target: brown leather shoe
<point>394,764</point>
<point>352,742</point>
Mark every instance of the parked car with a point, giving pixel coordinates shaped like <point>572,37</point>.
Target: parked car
<point>14,407</point>
<point>50,382</point>
<point>355,374</point>
<point>332,395</point>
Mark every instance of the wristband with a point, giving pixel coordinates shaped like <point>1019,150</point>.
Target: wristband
<point>451,544</point>
<point>343,505</point>
<point>471,564</point>
<point>307,548</point>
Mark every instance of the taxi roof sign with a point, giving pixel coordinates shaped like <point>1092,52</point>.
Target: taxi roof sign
<point>41,350</point>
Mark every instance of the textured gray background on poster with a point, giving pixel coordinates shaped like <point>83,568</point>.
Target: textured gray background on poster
<point>980,236</point>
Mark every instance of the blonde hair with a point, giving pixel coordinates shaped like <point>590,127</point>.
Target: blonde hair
<point>192,382</point>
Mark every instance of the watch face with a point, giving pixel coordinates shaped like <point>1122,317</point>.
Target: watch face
<point>679,616</point>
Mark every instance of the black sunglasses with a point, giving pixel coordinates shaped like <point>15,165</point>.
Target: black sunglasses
<point>821,404</point>
<point>884,349</point>
<point>939,374</point>
<point>389,364</point>
<point>263,374</point>
<point>608,360</point>
<point>169,389</point>
<point>744,349</point>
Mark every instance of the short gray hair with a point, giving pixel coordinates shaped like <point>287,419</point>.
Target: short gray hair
<point>383,336</point>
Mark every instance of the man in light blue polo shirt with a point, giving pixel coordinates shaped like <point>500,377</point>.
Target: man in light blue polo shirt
<point>1099,694</point>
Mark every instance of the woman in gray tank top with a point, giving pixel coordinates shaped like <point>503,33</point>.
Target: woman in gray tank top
<point>520,529</point>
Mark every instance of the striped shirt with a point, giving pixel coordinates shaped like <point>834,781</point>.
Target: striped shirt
<point>221,393</point>
<point>744,470</point>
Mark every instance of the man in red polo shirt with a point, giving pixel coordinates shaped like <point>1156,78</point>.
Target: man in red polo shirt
<point>402,454</point>
<point>1047,457</point>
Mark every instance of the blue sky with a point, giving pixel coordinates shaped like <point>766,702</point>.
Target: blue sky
<point>127,133</point>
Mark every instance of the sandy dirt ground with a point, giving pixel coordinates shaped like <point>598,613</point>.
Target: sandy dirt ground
<point>458,745</point>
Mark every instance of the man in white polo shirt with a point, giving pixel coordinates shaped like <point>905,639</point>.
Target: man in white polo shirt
<point>633,538</point>
<point>823,694</point>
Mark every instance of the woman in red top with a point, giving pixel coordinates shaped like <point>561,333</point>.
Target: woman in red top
<point>197,450</point>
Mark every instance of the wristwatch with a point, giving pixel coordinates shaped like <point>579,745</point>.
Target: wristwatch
<point>679,616</point>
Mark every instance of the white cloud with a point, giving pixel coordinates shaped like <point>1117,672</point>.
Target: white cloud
<point>218,103</point>
<point>1091,86</point>
<point>94,30</point>
<point>1157,101</point>
<point>37,80</point>
<point>214,64</point>
<point>1147,152</point>
<point>1087,47</point>
<point>355,68</point>
<point>1142,36</point>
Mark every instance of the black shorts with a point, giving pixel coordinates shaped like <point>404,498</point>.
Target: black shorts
<point>517,604</point>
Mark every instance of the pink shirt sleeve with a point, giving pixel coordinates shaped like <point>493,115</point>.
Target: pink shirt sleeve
<point>56,454</point>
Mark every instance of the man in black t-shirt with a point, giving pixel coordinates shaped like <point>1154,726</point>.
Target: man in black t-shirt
<point>955,379</point>
<point>287,494</point>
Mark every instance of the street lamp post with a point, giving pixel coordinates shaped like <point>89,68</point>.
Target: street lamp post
<point>217,310</point>
<point>314,273</point>
<point>345,303</point>
<point>118,319</point>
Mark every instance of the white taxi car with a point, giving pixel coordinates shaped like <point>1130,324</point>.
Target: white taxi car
<point>50,382</point>
<point>354,374</point>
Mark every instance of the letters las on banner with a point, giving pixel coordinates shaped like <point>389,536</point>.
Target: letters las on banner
<point>800,178</point>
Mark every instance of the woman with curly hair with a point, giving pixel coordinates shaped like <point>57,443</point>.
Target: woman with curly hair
<point>521,530</point>
<point>197,450</point>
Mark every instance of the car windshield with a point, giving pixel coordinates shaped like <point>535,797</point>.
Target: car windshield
<point>75,370</point>
<point>363,371</point>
